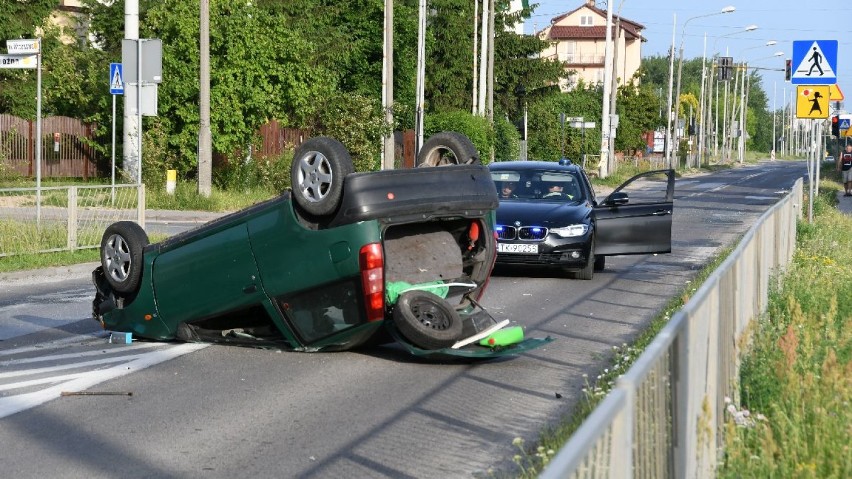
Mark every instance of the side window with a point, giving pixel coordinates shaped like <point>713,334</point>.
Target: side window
<point>650,187</point>
<point>322,311</point>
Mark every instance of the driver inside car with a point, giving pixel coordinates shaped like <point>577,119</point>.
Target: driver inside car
<point>556,191</point>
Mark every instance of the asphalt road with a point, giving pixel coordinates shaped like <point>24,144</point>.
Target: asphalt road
<point>235,412</point>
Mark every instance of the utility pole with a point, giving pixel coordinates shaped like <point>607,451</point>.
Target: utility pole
<point>702,106</point>
<point>132,127</point>
<point>474,108</point>
<point>669,107</point>
<point>389,146</point>
<point>613,95</point>
<point>483,59</point>
<point>603,166</point>
<point>205,140</point>
<point>490,111</point>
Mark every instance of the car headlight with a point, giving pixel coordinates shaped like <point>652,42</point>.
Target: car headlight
<point>571,230</point>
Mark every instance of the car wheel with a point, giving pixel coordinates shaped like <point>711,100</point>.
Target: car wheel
<point>447,148</point>
<point>319,166</point>
<point>121,255</point>
<point>600,263</point>
<point>427,320</point>
<point>589,270</point>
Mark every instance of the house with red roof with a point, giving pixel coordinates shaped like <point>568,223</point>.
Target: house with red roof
<point>578,39</point>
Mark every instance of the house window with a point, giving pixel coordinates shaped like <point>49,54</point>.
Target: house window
<point>586,20</point>
<point>568,54</point>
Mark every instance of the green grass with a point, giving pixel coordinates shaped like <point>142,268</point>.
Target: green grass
<point>186,198</point>
<point>796,381</point>
<point>28,261</point>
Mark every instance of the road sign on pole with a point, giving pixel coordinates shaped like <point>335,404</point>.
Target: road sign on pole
<point>116,79</point>
<point>812,101</point>
<point>814,62</point>
<point>22,47</point>
<point>19,61</point>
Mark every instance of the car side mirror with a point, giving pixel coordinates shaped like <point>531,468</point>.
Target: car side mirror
<point>618,198</point>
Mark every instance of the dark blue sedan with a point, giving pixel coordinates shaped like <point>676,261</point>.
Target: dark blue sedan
<point>549,215</point>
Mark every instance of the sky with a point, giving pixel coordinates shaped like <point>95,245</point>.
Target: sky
<point>782,21</point>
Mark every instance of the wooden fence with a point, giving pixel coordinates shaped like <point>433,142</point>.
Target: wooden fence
<point>65,152</point>
<point>65,147</point>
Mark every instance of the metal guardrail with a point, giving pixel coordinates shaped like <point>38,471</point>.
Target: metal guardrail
<point>665,416</point>
<point>57,218</point>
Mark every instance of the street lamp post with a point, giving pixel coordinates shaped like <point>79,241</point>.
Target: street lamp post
<point>727,9</point>
<point>744,103</point>
<point>749,28</point>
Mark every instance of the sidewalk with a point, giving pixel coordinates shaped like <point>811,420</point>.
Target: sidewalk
<point>844,203</point>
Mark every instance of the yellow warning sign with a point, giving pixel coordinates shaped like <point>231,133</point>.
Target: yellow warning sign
<point>812,101</point>
<point>835,93</point>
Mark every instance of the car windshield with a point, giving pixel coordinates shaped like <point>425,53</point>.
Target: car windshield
<point>538,185</point>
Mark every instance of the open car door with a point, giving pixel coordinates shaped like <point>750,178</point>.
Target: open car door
<point>636,218</point>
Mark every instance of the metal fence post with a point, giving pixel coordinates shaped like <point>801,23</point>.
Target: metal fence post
<point>140,205</point>
<point>72,218</point>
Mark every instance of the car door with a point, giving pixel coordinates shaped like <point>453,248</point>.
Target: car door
<point>636,218</point>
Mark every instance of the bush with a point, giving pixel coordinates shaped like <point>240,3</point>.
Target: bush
<point>271,173</point>
<point>475,127</point>
<point>357,122</point>
<point>507,139</point>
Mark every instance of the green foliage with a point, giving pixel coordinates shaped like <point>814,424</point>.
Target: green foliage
<point>21,18</point>
<point>547,137</point>
<point>475,127</point>
<point>357,122</point>
<point>795,380</point>
<point>272,174</point>
<point>507,139</point>
<point>638,113</point>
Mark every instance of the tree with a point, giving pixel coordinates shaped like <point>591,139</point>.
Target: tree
<point>638,113</point>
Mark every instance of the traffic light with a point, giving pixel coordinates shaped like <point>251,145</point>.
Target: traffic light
<point>835,127</point>
<point>788,70</point>
<point>725,64</point>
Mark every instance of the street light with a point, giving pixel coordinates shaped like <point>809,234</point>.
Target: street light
<point>746,85</point>
<point>749,28</point>
<point>728,9</point>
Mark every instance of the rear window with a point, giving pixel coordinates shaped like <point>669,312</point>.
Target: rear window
<point>323,311</point>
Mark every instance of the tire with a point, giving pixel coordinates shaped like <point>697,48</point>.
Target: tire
<point>427,320</point>
<point>589,270</point>
<point>121,255</point>
<point>600,263</point>
<point>447,148</point>
<point>319,166</point>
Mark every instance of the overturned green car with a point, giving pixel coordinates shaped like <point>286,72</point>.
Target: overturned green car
<point>342,260</point>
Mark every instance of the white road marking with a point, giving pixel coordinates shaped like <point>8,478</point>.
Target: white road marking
<point>13,404</point>
<point>100,352</point>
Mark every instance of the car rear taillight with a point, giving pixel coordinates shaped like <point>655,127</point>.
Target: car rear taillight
<point>372,265</point>
<point>490,270</point>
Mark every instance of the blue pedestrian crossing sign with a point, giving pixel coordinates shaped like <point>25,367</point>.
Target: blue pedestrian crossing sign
<point>814,62</point>
<point>845,124</point>
<point>116,80</point>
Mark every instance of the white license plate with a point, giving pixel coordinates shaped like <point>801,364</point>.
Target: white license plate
<point>517,248</point>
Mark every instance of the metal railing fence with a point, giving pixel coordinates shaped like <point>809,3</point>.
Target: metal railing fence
<point>665,416</point>
<point>61,218</point>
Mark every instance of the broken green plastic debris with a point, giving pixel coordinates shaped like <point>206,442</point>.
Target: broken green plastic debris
<point>504,337</point>
<point>395,288</point>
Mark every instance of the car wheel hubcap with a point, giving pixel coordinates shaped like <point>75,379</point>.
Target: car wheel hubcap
<point>117,258</point>
<point>315,176</point>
